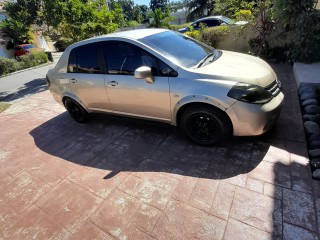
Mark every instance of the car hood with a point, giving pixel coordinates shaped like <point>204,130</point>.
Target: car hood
<point>237,67</point>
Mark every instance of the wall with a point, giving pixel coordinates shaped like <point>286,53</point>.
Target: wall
<point>4,52</point>
<point>236,41</point>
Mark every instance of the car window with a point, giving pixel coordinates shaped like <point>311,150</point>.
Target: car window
<point>72,65</point>
<point>85,59</point>
<point>213,23</point>
<point>124,58</point>
<point>178,48</point>
<point>196,25</point>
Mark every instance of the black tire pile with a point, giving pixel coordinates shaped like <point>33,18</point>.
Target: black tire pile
<point>309,100</point>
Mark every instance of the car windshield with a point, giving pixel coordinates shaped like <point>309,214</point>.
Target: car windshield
<point>227,20</point>
<point>186,51</point>
<point>28,46</point>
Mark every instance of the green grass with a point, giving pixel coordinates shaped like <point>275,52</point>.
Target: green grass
<point>4,106</point>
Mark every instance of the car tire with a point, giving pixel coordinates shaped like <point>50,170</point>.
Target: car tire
<point>205,125</point>
<point>76,111</point>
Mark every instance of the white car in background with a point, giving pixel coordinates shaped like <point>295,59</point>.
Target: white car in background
<point>212,21</point>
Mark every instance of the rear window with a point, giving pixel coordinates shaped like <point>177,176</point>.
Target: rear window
<point>85,59</point>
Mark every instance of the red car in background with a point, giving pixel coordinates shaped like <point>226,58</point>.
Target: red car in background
<point>23,49</point>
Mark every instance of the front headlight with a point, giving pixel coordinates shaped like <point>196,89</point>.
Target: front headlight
<point>250,93</point>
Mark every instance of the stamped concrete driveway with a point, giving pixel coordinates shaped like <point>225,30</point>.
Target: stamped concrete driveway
<point>121,179</point>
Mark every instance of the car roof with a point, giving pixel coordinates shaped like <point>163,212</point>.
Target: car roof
<point>210,17</point>
<point>26,44</point>
<point>133,34</point>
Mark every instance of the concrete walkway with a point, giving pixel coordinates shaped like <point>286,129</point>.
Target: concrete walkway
<point>119,179</point>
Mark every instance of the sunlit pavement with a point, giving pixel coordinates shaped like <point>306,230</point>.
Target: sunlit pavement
<point>121,179</point>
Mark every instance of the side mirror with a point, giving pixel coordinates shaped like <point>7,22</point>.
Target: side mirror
<point>144,73</point>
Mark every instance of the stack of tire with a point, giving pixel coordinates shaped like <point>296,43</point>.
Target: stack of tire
<point>309,99</point>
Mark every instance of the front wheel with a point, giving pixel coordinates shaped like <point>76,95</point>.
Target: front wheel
<point>76,111</point>
<point>205,125</point>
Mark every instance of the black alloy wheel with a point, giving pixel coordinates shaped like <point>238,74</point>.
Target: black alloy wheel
<point>76,111</point>
<point>205,126</point>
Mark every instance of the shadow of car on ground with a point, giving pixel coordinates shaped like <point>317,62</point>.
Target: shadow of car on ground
<point>120,144</point>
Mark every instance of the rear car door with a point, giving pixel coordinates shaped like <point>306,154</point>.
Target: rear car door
<point>86,76</point>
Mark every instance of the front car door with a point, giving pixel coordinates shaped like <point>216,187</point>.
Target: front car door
<point>132,96</point>
<point>86,78</point>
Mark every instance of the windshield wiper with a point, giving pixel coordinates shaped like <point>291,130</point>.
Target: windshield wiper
<point>205,59</point>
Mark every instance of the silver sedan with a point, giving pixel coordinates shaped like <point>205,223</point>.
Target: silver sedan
<point>165,76</point>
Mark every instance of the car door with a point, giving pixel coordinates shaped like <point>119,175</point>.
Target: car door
<point>86,76</point>
<point>132,96</point>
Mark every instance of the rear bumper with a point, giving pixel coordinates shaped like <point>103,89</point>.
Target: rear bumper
<point>254,119</point>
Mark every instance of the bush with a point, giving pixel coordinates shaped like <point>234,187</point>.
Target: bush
<point>62,44</point>
<point>243,15</point>
<point>36,57</point>
<point>8,65</point>
<point>132,24</point>
<point>307,44</point>
<point>210,36</point>
<point>175,27</point>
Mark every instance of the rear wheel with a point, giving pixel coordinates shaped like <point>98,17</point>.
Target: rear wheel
<point>76,111</point>
<point>205,125</point>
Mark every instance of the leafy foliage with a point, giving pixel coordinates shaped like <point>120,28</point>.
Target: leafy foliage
<point>230,7</point>
<point>175,27</point>
<point>210,36</point>
<point>11,65</point>
<point>74,19</point>
<point>22,14</point>
<point>286,11</point>
<point>160,18</point>
<point>243,15</point>
<point>306,47</point>
<point>50,13</point>
<point>155,4</point>
<point>196,8</point>
<point>264,26</point>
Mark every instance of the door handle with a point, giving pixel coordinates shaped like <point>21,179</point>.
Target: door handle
<point>112,84</point>
<point>73,80</point>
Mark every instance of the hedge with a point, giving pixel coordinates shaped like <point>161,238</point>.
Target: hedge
<point>36,57</point>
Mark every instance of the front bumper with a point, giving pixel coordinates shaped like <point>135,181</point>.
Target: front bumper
<point>254,119</point>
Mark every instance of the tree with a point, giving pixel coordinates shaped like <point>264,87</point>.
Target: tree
<point>74,19</point>
<point>230,7</point>
<point>84,19</point>
<point>155,4</point>
<point>197,8</point>
<point>160,18</point>
<point>137,14</point>
<point>287,11</point>
<point>127,8</point>
<point>22,13</point>
<point>50,13</point>
<point>144,10</point>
